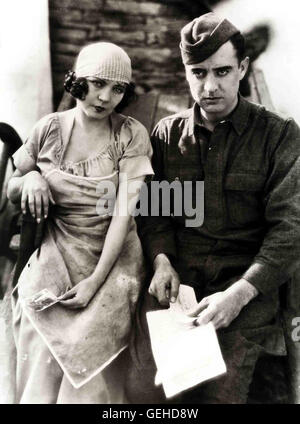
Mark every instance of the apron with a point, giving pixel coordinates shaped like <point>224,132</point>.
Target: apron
<point>82,341</point>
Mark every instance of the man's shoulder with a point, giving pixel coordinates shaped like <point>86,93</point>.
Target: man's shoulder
<point>271,125</point>
<point>263,114</point>
<point>183,115</point>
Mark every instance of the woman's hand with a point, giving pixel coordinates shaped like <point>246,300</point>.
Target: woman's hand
<point>81,294</point>
<point>37,193</point>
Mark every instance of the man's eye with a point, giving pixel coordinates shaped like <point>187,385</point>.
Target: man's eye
<point>199,73</point>
<point>222,72</point>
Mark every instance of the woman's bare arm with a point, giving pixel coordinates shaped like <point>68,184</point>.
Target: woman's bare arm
<point>32,189</point>
<point>80,295</point>
<point>117,231</point>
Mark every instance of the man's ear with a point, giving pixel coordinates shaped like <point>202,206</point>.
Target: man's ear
<point>244,67</point>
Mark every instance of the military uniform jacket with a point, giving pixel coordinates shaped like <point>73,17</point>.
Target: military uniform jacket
<point>250,166</point>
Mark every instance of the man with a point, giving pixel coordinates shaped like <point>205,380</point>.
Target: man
<point>248,244</point>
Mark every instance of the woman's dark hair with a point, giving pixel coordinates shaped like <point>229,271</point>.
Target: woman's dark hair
<point>128,97</point>
<point>78,88</point>
<point>238,42</point>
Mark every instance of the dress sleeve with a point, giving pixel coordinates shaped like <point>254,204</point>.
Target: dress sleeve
<point>25,157</point>
<point>136,150</point>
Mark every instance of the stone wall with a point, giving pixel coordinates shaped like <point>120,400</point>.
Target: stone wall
<point>147,30</point>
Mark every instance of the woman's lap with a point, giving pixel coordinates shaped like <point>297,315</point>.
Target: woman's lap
<point>40,380</point>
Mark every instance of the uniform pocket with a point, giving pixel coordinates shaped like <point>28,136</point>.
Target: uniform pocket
<point>244,197</point>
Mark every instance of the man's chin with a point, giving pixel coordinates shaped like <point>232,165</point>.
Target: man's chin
<point>212,108</point>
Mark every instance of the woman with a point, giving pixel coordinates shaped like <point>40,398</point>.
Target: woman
<point>80,162</point>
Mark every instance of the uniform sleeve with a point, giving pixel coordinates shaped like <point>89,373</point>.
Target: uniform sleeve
<point>279,254</point>
<point>157,233</point>
<point>25,157</point>
<point>136,150</point>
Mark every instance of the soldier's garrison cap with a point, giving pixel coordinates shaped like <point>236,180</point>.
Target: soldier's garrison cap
<point>203,36</point>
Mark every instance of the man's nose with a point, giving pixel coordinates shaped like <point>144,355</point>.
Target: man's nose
<point>105,94</point>
<point>211,84</point>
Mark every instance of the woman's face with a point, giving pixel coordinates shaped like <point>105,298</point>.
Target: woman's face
<point>102,98</point>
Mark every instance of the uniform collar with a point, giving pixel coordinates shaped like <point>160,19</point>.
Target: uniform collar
<point>238,117</point>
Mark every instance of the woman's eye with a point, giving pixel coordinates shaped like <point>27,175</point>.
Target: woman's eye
<point>97,84</point>
<point>119,90</point>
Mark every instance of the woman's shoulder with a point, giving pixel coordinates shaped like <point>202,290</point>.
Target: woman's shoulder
<point>54,118</point>
<point>41,129</point>
<point>135,126</point>
<point>46,120</point>
<point>133,130</point>
<point>132,137</point>
<point>48,131</point>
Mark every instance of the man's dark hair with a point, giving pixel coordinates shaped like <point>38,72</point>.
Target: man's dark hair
<point>238,42</point>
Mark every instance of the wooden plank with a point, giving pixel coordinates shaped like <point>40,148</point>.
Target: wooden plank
<point>254,96</point>
<point>4,159</point>
<point>259,90</point>
<point>6,267</point>
<point>67,102</point>
<point>7,353</point>
<point>168,104</point>
<point>143,109</point>
<point>6,171</point>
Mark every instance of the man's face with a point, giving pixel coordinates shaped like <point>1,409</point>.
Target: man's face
<point>214,83</point>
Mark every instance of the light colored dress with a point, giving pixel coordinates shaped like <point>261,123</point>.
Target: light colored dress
<point>72,356</point>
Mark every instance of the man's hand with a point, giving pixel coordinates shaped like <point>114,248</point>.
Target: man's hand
<point>223,307</point>
<point>165,282</point>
